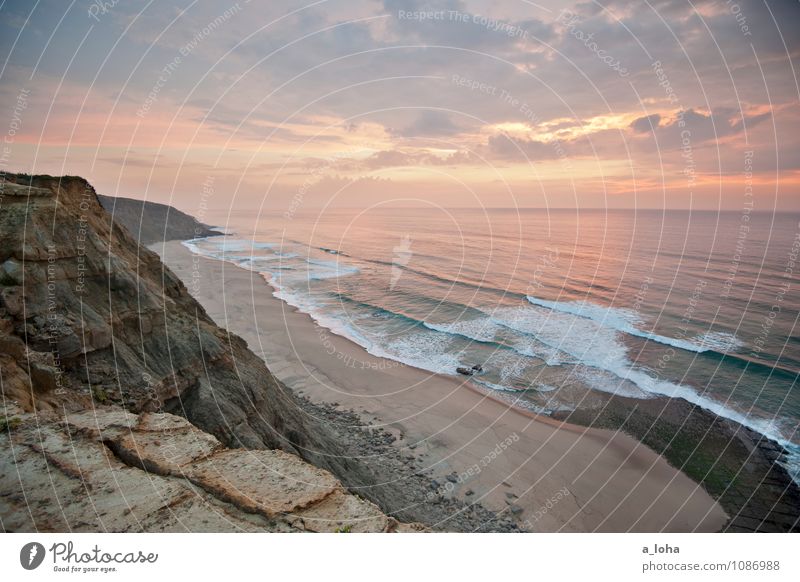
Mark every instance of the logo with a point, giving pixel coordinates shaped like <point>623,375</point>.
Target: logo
<point>31,555</point>
<point>402,255</point>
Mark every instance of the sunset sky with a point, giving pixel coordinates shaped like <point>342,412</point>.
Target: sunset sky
<point>631,104</point>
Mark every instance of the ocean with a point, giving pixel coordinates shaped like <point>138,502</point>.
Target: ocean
<point>554,306</point>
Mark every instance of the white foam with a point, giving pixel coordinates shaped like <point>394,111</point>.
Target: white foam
<point>486,330</point>
<point>220,248</point>
<point>303,302</point>
<point>192,246</point>
<point>497,387</point>
<point>626,321</point>
<point>507,394</point>
<point>424,350</point>
<point>320,270</point>
<point>480,330</point>
<point>226,244</point>
<point>792,463</point>
<point>605,352</point>
<point>585,340</point>
<point>719,341</point>
<point>511,367</point>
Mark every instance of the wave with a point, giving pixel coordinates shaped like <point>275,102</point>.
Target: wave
<point>510,395</point>
<point>328,269</point>
<point>450,282</point>
<point>625,320</point>
<point>486,330</point>
<point>599,348</point>
<point>746,362</point>
<point>252,255</point>
<point>333,251</point>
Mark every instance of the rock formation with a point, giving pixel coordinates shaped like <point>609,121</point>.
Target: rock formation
<point>107,469</point>
<point>151,222</point>
<point>106,322</point>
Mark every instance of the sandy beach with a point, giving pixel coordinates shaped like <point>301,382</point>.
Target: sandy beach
<point>551,476</point>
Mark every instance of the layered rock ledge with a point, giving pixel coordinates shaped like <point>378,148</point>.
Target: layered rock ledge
<point>111,470</point>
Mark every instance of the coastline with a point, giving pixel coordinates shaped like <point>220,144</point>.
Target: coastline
<point>548,475</point>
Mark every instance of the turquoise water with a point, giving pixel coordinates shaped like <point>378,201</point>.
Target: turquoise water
<point>554,305</point>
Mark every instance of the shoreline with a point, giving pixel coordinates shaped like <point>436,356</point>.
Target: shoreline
<point>512,461</point>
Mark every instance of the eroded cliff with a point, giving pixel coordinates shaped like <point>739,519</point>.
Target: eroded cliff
<point>90,319</point>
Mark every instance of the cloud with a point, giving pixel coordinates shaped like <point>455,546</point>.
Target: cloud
<point>646,124</point>
<point>289,81</point>
<point>703,127</point>
<point>403,158</point>
<point>506,147</point>
<point>430,124</point>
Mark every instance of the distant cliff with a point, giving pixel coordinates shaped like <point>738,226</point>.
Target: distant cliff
<point>151,222</point>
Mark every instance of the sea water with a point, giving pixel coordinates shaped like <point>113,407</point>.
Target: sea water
<point>554,305</point>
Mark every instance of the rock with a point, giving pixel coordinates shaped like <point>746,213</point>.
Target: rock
<point>44,378</point>
<point>11,272</point>
<point>97,338</point>
<point>13,346</point>
<point>204,486</point>
<point>465,371</point>
<point>269,482</point>
<point>23,190</point>
<point>477,368</point>
<point>469,492</point>
<point>11,299</point>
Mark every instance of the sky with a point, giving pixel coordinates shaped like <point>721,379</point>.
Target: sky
<point>281,105</point>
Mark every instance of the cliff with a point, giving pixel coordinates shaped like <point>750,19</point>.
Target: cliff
<point>151,222</point>
<point>90,319</point>
<point>106,322</point>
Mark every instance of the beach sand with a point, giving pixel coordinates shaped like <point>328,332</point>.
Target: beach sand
<point>554,476</point>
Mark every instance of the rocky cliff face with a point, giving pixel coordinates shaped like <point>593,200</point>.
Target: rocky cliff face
<point>151,222</point>
<point>89,318</point>
<point>106,322</point>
